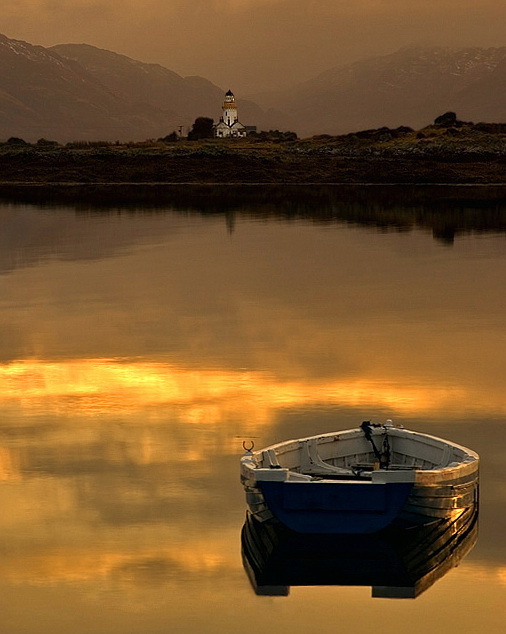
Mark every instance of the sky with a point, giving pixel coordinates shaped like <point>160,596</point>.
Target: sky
<point>255,45</point>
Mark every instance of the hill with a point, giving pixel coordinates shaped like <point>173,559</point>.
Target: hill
<point>79,92</point>
<point>409,87</point>
<point>154,87</point>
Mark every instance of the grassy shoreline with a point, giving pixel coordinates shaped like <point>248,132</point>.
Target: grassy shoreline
<point>435,156</point>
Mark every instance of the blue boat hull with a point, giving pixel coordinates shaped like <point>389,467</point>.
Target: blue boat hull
<point>321,507</point>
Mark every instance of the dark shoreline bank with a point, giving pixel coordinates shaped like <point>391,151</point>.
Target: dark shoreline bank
<point>242,170</point>
<point>442,160</point>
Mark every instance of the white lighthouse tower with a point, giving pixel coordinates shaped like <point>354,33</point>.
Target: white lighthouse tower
<point>229,124</point>
<point>229,109</point>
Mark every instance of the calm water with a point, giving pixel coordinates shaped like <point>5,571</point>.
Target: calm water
<point>141,345</point>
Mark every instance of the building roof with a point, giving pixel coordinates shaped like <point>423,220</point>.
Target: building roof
<point>232,126</point>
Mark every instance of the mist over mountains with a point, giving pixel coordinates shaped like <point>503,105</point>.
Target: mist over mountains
<point>409,87</point>
<point>78,92</point>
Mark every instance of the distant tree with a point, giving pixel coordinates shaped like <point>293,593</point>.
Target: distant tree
<point>170,138</point>
<point>46,143</point>
<point>14,140</point>
<point>275,135</point>
<point>446,120</point>
<point>202,128</point>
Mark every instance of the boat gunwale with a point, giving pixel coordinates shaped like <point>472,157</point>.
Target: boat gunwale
<point>454,470</point>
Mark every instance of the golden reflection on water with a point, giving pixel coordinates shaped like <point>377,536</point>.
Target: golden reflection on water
<point>121,471</point>
<point>102,386</point>
<point>9,465</point>
<point>81,397</point>
<point>92,562</point>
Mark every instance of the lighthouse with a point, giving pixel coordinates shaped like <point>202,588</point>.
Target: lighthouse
<point>229,124</point>
<point>229,109</point>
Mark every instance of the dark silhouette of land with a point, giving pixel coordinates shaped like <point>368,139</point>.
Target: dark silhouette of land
<point>449,151</point>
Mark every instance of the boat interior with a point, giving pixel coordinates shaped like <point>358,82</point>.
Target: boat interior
<point>351,454</point>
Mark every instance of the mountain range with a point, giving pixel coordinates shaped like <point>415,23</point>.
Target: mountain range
<point>409,87</point>
<point>78,92</point>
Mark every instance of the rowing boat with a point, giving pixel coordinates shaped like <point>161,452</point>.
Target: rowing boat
<point>360,480</point>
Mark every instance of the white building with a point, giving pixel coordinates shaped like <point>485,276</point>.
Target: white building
<point>229,124</point>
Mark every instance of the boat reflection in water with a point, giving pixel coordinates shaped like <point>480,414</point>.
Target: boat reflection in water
<point>399,563</point>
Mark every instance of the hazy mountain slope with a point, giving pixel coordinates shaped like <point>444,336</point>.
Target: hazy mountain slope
<point>42,94</point>
<point>152,84</point>
<point>409,87</point>
<point>485,99</point>
<point>142,83</point>
<point>79,92</point>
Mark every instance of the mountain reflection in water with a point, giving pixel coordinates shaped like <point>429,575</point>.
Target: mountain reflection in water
<point>445,210</point>
<point>400,564</point>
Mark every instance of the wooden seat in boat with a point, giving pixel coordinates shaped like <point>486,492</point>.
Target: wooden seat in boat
<point>312,464</point>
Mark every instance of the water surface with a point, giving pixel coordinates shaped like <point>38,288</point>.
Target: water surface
<point>140,344</point>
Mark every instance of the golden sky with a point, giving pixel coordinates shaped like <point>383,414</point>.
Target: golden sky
<point>253,45</point>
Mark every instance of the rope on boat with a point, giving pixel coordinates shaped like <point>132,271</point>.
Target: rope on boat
<point>383,456</point>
